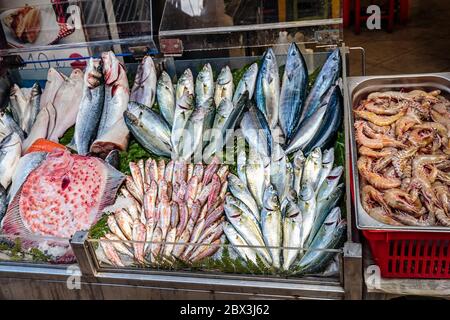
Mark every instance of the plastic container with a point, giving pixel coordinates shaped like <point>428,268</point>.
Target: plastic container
<point>411,254</point>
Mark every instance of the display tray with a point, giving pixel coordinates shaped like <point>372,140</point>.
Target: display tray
<point>359,88</point>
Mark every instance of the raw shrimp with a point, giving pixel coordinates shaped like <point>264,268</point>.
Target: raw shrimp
<point>375,179</point>
<point>365,151</point>
<point>370,198</point>
<point>402,200</point>
<point>379,143</point>
<point>379,120</point>
<point>401,162</point>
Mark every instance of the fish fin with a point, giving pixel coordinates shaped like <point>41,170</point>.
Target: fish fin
<point>12,223</point>
<point>114,179</point>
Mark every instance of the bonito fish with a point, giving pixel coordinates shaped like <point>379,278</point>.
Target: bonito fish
<point>112,131</point>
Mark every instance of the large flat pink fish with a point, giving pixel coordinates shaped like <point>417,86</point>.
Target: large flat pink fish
<point>66,193</point>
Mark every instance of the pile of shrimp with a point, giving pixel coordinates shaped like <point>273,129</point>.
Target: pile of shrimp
<point>404,157</point>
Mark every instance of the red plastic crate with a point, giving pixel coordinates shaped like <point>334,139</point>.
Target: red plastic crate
<point>411,254</point>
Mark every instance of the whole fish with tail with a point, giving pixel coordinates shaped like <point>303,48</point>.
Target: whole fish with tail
<point>271,224</point>
<point>91,106</point>
<point>293,90</point>
<point>112,131</point>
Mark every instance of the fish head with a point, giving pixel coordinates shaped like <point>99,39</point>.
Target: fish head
<point>270,198</point>
<point>299,159</point>
<point>54,75</point>
<point>225,76</point>
<point>186,81</point>
<point>225,107</point>
<point>111,67</point>
<point>292,210</point>
<point>333,218</point>
<point>11,141</point>
<point>232,212</point>
<point>328,156</point>
<point>251,72</point>
<point>145,69</point>
<point>35,90</point>
<point>165,81</point>
<point>76,74</point>
<point>306,192</point>
<point>186,102</point>
<point>316,155</point>
<point>93,75</point>
<point>335,174</point>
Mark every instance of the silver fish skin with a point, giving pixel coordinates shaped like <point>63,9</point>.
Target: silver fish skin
<point>239,244</point>
<point>324,206</point>
<point>268,88</point>
<point>278,167</point>
<point>224,86</point>
<point>185,85</point>
<point>151,131</point>
<point>289,180</point>
<point>204,85</point>
<point>331,236</point>
<point>144,87</point>
<point>330,183</point>
<point>307,205</point>
<point>239,190</point>
<point>247,83</point>
<point>293,90</point>
<point>112,131</point>
<point>165,95</point>
<point>249,229</point>
<point>232,201</point>
<point>26,164</point>
<point>25,105</point>
<point>312,168</point>
<point>9,125</point>
<point>271,224</point>
<point>256,132</point>
<point>327,166</point>
<point>255,175</point>
<point>292,234</point>
<point>67,104</point>
<point>241,159</point>
<point>91,106</point>
<point>3,202</point>
<point>183,110</point>
<point>307,130</point>
<point>194,133</point>
<point>298,164</point>
<point>10,151</point>
<point>216,139</point>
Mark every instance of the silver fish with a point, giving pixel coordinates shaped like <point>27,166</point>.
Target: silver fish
<point>204,85</point>
<point>256,131</point>
<point>25,105</point>
<point>165,94</point>
<point>9,125</point>
<point>330,183</point>
<point>254,172</point>
<point>247,83</point>
<point>313,165</point>
<point>224,86</point>
<point>293,90</point>
<point>183,110</point>
<point>324,206</point>
<point>112,131</point>
<point>327,166</point>
<point>149,129</point>
<point>298,163</point>
<point>10,151</point>
<point>307,130</point>
<point>307,205</point>
<point>271,224</point>
<point>239,190</point>
<point>248,228</point>
<point>292,234</point>
<point>185,85</point>
<point>67,103</point>
<point>268,88</point>
<point>241,159</point>
<point>278,167</point>
<point>91,106</point>
<point>216,139</point>
<point>144,87</point>
<point>238,243</point>
<point>26,164</point>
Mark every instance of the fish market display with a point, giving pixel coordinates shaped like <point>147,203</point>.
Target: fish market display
<point>404,157</point>
<point>112,132</point>
<point>65,194</point>
<point>165,209</point>
<point>288,231</point>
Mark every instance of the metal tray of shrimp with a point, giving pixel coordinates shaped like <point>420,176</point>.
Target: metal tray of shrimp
<point>358,88</point>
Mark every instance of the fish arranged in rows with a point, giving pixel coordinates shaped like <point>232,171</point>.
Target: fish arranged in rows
<point>163,210</point>
<point>286,223</point>
<point>57,196</point>
<point>404,157</point>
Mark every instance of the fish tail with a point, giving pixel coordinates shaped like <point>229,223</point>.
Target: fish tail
<point>114,179</point>
<point>12,223</point>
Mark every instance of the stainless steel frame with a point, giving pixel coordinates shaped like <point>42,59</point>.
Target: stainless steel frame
<point>357,89</point>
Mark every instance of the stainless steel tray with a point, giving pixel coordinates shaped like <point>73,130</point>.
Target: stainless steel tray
<point>359,88</point>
